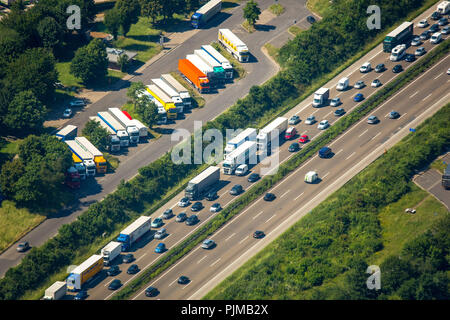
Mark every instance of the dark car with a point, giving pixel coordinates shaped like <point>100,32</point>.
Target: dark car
<point>183,280</point>
<point>397,68</point>
<point>81,295</point>
<point>237,189</point>
<point>436,15</point>
<point>151,292</point>
<point>193,219</point>
<point>372,120</point>
<point>115,284</point>
<point>295,146</point>
<point>443,22</point>
<point>23,246</point>
<point>425,35</point>
<point>128,258</point>
<point>167,214</point>
<point>434,28</point>
<point>445,30</point>
<point>133,269</point>
<point>324,152</point>
<point>269,197</point>
<point>212,195</point>
<point>394,115</point>
<point>339,112</point>
<point>410,57</point>
<point>310,19</point>
<point>380,67</point>
<point>113,271</point>
<point>197,206</point>
<point>258,234</point>
<point>253,177</point>
<point>181,217</point>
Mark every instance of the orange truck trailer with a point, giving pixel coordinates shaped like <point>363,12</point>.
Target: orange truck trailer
<point>193,75</point>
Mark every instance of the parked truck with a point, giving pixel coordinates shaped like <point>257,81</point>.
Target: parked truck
<point>178,87</point>
<point>69,132</point>
<point>219,71</point>
<point>56,291</point>
<point>205,13</point>
<point>321,97</point>
<point>226,65</point>
<point>244,154</point>
<point>234,45</point>
<point>81,155</point>
<point>443,7</point>
<point>132,131</point>
<point>203,67</point>
<point>178,102</point>
<point>201,183</point>
<point>114,141</point>
<point>446,178</point>
<point>273,130</point>
<point>84,272</point>
<point>100,161</point>
<point>143,130</point>
<point>72,178</point>
<point>248,134</point>
<point>164,100</point>
<point>115,125</point>
<point>134,232</point>
<point>111,251</point>
<point>193,75</point>
<point>162,114</point>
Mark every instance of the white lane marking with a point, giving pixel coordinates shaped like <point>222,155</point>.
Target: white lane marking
<point>402,115</point>
<point>414,94</point>
<point>184,286</point>
<point>299,196</point>
<point>257,215</point>
<point>230,237</point>
<point>141,257</point>
<point>427,97</point>
<point>350,155</point>
<point>215,262</point>
<point>270,218</point>
<point>440,74</point>
<point>338,152</point>
<point>363,132</point>
<point>201,259</point>
<point>375,136</point>
<point>173,282</point>
<point>240,242</point>
<point>325,175</point>
<point>285,193</point>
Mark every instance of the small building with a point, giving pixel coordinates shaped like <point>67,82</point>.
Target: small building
<point>105,37</point>
<point>114,54</point>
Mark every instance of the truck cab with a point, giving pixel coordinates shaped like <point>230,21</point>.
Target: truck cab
<point>72,178</point>
<point>114,143</point>
<point>124,138</point>
<point>81,169</point>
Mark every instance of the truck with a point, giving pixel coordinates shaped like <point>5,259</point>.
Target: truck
<point>193,75</point>
<point>84,272</point>
<point>233,45</point>
<point>56,291</point>
<point>81,155</point>
<point>115,125</point>
<point>100,161</point>
<point>244,154</point>
<point>443,7</point>
<point>143,130</point>
<point>270,132</point>
<point>134,232</point>
<point>205,13</point>
<point>114,141</point>
<point>162,114</point>
<point>219,71</point>
<point>178,87</point>
<point>203,67</point>
<point>248,134</point>
<point>201,183</point>
<point>111,251</point>
<point>400,35</point>
<point>178,102</point>
<point>72,178</point>
<point>226,65</point>
<point>321,97</point>
<point>164,100</point>
<point>446,178</point>
<point>69,132</point>
<point>131,129</point>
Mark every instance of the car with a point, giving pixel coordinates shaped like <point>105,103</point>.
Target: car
<point>269,196</point>
<point>236,190</point>
<point>375,83</point>
<point>303,138</point>
<point>394,115</point>
<point>290,133</point>
<point>133,269</point>
<point>310,19</point>
<point>167,214</point>
<point>184,202</point>
<point>23,246</point>
<point>161,233</point>
<point>215,207</point>
<point>212,195</point>
<point>434,28</point>
<point>208,244</point>
<point>253,177</point>
<point>197,206</point>
<point>448,71</point>
<point>241,170</point>
<point>436,15</point>
<point>339,112</point>
<point>425,35</point>
<point>423,23</point>
<point>151,292</point>
<point>410,57</point>
<point>294,147</point>
<point>160,248</point>
<point>420,51</point>
<point>77,103</point>
<point>323,125</point>
<point>115,284</point>
<point>358,97</point>
<point>436,38</point>
<point>193,219</point>
<point>359,84</point>
<point>157,222</point>
<point>294,120</point>
<point>445,30</point>
<point>366,67</point>
<point>258,234</point>
<point>128,258</point>
<point>380,67</point>
<point>81,295</point>
<point>67,113</point>
<point>183,280</point>
<point>310,120</point>
<point>335,102</point>
<point>397,68</point>
<point>325,152</point>
<point>181,217</point>
<point>372,120</point>
<point>443,21</point>
<point>416,41</point>
<point>113,271</point>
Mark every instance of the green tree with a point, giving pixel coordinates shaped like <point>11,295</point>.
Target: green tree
<point>90,62</point>
<point>9,175</point>
<point>96,134</point>
<point>151,9</point>
<point>133,91</point>
<point>123,61</point>
<point>148,110</point>
<point>129,11</point>
<point>50,33</point>
<point>251,12</point>
<point>112,22</point>
<point>11,45</point>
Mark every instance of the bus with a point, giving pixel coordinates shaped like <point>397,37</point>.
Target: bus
<point>401,35</point>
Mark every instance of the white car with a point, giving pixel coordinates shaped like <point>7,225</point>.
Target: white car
<point>376,83</point>
<point>323,125</point>
<point>423,23</point>
<point>416,41</point>
<point>241,170</point>
<point>310,120</point>
<point>335,102</point>
<point>436,38</point>
<point>215,207</point>
<point>366,67</point>
<point>184,202</point>
<point>420,51</point>
<point>67,113</point>
<point>359,84</point>
<point>208,243</point>
<point>77,103</point>
<point>448,71</point>
<point>161,233</point>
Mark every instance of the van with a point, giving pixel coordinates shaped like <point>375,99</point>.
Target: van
<point>324,152</point>
<point>311,177</point>
<point>241,170</point>
<point>366,67</point>
<point>436,38</point>
<point>398,52</point>
<point>290,133</point>
<point>342,84</point>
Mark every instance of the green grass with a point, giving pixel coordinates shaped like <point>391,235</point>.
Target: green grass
<point>439,165</point>
<point>276,9</point>
<point>295,30</point>
<point>112,162</point>
<point>9,147</point>
<point>272,50</point>
<point>197,99</point>
<point>236,64</point>
<point>318,6</point>
<point>129,107</point>
<point>248,27</point>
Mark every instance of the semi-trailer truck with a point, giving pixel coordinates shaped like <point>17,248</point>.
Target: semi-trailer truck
<point>115,125</point>
<point>219,71</point>
<point>321,97</point>
<point>248,134</point>
<point>205,13</point>
<point>399,35</point>
<point>56,291</point>
<point>84,272</point>
<point>178,102</point>
<point>273,130</point>
<point>203,67</point>
<point>69,132</point>
<point>226,65</point>
<point>134,232</point>
<point>111,251</point>
<point>234,45</point>
<point>114,141</point>
<point>162,114</point>
<point>81,155</point>
<point>143,130</point>
<point>164,100</point>
<point>133,132</point>
<point>193,75</point>
<point>244,154</point>
<point>100,161</point>
<point>178,87</point>
<point>72,178</point>
<point>201,183</point>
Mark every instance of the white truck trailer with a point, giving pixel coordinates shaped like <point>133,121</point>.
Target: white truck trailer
<point>234,45</point>
<point>201,183</point>
<point>178,87</point>
<point>270,132</point>
<point>99,160</point>
<point>69,132</point>
<point>244,154</point>
<point>133,132</point>
<point>248,134</point>
<point>111,251</point>
<point>82,156</point>
<point>114,139</point>
<point>202,66</point>
<point>205,13</point>
<point>84,272</point>
<point>226,65</point>
<point>56,291</point>
<point>134,232</point>
<point>143,130</point>
<point>321,97</point>
<point>116,126</point>
<point>173,94</point>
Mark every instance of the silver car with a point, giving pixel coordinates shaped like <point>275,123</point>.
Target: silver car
<point>161,233</point>
<point>208,243</point>
<point>310,120</point>
<point>420,51</point>
<point>323,125</point>
<point>416,41</point>
<point>423,23</point>
<point>215,207</point>
<point>77,103</point>
<point>335,102</point>
<point>359,84</point>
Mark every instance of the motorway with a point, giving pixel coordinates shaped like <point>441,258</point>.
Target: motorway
<point>258,71</point>
<point>423,94</point>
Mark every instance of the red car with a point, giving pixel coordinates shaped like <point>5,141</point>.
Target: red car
<point>303,139</point>
<point>290,133</point>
